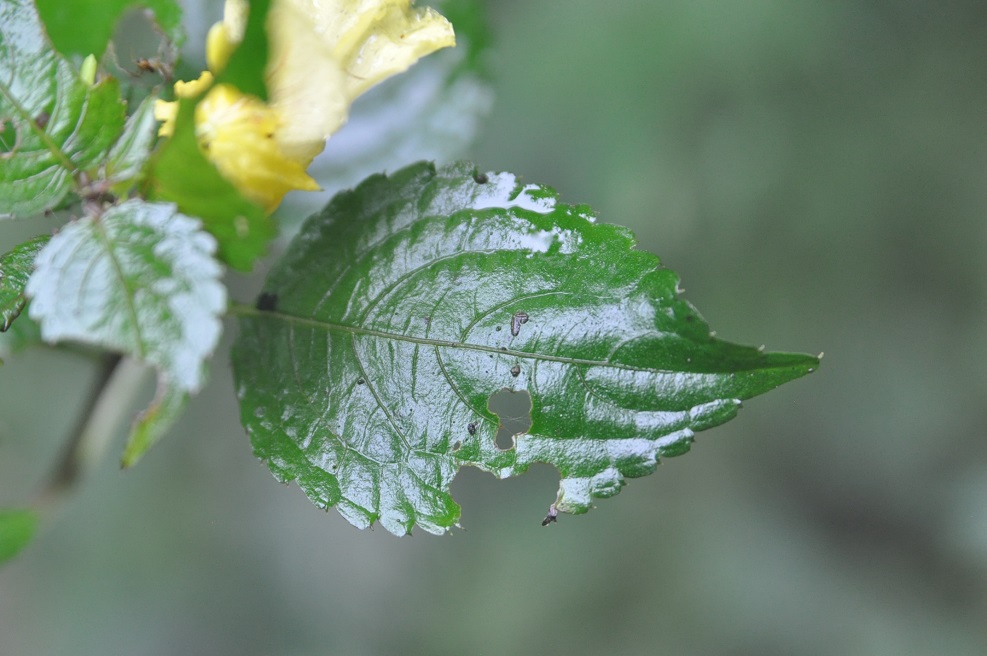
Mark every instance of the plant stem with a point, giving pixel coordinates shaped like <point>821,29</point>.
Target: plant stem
<point>110,402</point>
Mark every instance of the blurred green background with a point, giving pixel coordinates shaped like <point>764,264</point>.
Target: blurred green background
<point>815,170</point>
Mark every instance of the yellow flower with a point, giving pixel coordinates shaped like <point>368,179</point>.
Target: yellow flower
<point>323,55</point>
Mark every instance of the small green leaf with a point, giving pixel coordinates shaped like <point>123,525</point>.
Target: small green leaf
<point>52,124</point>
<point>15,268</point>
<point>17,527</point>
<point>139,279</point>
<point>84,27</point>
<point>22,334</point>
<point>180,173</point>
<point>126,159</point>
<point>367,370</point>
<point>167,406</point>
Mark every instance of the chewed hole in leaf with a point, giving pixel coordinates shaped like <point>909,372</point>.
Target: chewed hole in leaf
<point>514,411</point>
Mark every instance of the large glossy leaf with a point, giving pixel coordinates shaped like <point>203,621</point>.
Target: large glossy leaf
<point>84,27</point>
<point>52,123</point>
<point>139,279</point>
<point>366,369</point>
<point>15,268</point>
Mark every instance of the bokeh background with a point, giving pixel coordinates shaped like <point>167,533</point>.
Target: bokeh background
<point>816,171</point>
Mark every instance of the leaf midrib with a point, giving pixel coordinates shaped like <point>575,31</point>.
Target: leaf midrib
<point>128,296</point>
<point>244,310</point>
<point>64,160</point>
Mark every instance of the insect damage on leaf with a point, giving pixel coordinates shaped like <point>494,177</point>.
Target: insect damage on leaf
<point>370,409</point>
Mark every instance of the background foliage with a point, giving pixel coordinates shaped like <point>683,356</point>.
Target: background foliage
<point>815,173</point>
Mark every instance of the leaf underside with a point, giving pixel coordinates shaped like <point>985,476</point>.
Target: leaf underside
<point>52,124</point>
<point>139,279</point>
<point>398,310</point>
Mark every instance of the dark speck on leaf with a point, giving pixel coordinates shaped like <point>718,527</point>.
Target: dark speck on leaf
<point>267,302</point>
<point>516,370</point>
<point>481,178</point>
<point>41,120</point>
<point>499,328</point>
<point>517,320</point>
<point>471,427</point>
<point>553,516</point>
<point>360,381</point>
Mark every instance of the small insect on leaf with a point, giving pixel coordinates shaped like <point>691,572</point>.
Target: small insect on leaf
<point>155,66</point>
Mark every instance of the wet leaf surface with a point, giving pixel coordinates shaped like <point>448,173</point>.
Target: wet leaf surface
<point>400,309</point>
<point>53,125</point>
<point>15,268</point>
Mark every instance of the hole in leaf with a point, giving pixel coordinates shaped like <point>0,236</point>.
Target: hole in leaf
<point>514,411</point>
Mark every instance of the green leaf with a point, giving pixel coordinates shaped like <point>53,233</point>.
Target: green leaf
<point>139,279</point>
<point>248,63</point>
<point>15,268</point>
<point>166,408</point>
<point>180,173</point>
<point>17,527</point>
<point>84,27</point>
<point>126,159</point>
<point>22,334</point>
<point>432,111</point>
<point>52,124</point>
<point>366,370</point>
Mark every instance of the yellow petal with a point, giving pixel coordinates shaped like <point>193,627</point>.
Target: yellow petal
<point>237,133</point>
<point>326,53</point>
<point>168,111</point>
<point>323,55</point>
<point>223,37</point>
